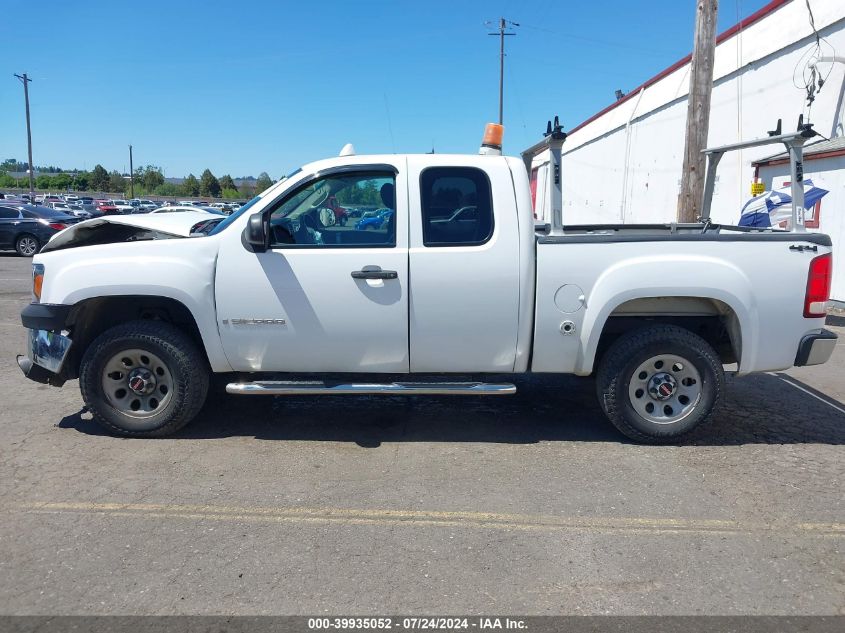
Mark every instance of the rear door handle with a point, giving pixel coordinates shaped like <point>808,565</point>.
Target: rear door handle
<point>375,274</point>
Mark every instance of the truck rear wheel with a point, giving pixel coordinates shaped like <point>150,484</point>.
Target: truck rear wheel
<point>658,383</point>
<point>143,379</point>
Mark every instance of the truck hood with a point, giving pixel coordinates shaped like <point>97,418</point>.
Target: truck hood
<point>127,228</point>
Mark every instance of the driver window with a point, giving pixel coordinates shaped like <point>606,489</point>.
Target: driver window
<point>342,210</point>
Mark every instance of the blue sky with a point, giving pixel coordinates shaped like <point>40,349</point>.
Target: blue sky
<point>268,86</point>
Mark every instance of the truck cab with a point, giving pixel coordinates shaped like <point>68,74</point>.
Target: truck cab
<point>411,290</point>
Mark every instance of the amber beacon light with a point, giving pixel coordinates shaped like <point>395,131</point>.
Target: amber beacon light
<point>491,144</point>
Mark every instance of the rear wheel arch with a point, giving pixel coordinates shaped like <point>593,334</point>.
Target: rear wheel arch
<point>714,320</point>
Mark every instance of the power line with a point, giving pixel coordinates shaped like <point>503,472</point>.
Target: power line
<point>26,81</point>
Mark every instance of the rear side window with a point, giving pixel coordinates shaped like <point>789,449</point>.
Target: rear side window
<point>457,206</point>
<point>8,214</point>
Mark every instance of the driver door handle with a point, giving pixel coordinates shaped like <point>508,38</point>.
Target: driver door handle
<point>375,274</point>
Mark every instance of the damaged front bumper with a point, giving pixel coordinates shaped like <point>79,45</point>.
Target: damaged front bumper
<point>46,347</point>
<point>45,357</point>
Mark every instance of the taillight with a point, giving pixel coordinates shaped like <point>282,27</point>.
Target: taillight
<point>818,286</point>
<point>58,226</point>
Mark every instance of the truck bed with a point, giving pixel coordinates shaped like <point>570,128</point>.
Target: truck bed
<point>673,232</point>
<point>587,275</point>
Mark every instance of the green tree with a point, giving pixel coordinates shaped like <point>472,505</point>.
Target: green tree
<point>191,186</point>
<point>7,181</point>
<point>168,189</point>
<point>43,182</point>
<point>152,177</point>
<point>263,181</point>
<point>81,180</point>
<point>231,194</point>
<point>61,181</point>
<point>226,182</point>
<point>116,183</point>
<point>247,188</point>
<point>99,178</point>
<point>209,185</point>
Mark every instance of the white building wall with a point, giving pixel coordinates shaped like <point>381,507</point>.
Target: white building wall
<point>625,165</point>
<point>830,171</point>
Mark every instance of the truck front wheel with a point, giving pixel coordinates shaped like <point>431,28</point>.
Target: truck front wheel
<point>143,379</point>
<point>658,383</point>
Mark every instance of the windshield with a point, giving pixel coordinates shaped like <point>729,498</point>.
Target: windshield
<point>246,207</point>
<point>225,223</point>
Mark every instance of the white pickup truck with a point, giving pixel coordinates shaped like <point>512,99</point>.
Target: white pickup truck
<point>451,281</point>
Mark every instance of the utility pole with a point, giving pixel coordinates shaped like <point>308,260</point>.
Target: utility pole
<point>698,111</point>
<point>131,176</point>
<point>502,32</point>
<point>26,80</point>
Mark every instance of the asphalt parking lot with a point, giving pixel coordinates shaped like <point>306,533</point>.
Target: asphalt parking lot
<point>531,504</point>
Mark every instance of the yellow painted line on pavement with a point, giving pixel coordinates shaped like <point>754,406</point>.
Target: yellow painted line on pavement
<point>456,519</point>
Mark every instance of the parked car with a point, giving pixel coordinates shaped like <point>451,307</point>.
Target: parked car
<point>105,207</point>
<point>26,228</point>
<point>79,211</point>
<point>177,208</point>
<point>122,206</point>
<point>58,206</point>
<point>223,207</point>
<point>373,219</point>
<point>89,207</point>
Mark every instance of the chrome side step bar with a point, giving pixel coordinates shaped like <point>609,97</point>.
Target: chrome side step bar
<point>292,388</point>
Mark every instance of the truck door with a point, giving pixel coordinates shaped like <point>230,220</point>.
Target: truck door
<point>464,265</point>
<point>322,298</point>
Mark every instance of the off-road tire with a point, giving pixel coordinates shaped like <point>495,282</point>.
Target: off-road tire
<point>627,353</point>
<point>186,364</point>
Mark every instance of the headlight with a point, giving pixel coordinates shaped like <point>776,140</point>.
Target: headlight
<point>37,281</point>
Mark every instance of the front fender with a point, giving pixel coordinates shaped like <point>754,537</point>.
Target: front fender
<point>178,269</point>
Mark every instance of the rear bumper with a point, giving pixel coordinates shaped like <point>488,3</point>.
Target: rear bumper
<point>815,348</point>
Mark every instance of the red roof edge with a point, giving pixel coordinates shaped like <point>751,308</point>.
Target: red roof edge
<point>772,162</point>
<point>751,19</point>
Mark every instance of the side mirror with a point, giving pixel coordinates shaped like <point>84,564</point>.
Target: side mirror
<point>256,232</point>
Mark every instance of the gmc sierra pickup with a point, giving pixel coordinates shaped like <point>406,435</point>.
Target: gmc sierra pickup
<point>143,314</point>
